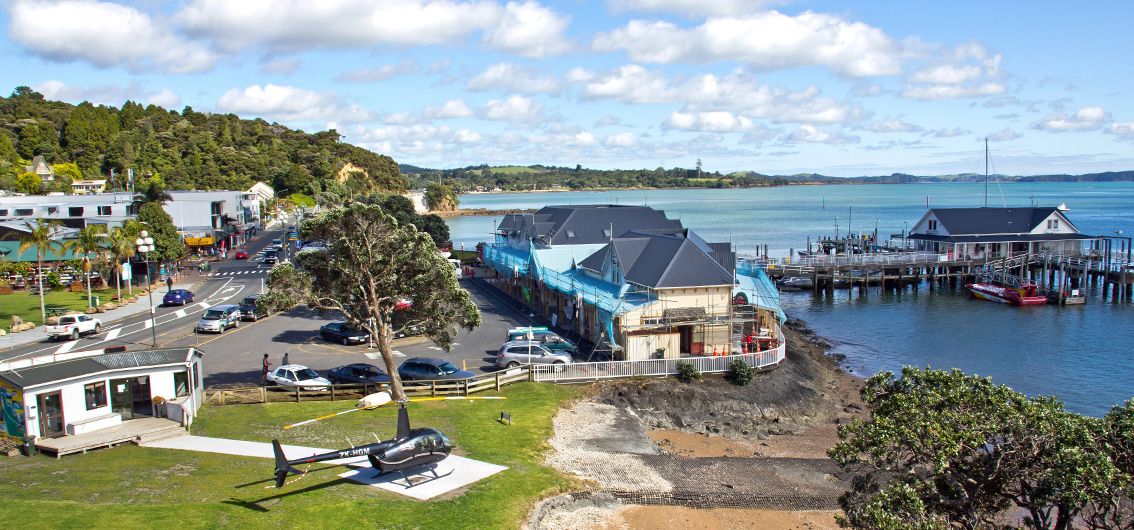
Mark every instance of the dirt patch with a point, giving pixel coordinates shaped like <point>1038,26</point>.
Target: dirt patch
<point>647,517</point>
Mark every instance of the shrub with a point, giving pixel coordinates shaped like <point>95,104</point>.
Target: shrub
<point>739,373</point>
<point>686,372</point>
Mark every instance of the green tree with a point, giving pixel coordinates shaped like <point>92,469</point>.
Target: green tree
<point>69,170</point>
<point>373,267</point>
<point>88,241</point>
<point>120,245</point>
<point>169,245</point>
<point>440,198</point>
<point>151,190</point>
<point>970,450</point>
<point>41,235</point>
<point>7,150</point>
<point>29,183</point>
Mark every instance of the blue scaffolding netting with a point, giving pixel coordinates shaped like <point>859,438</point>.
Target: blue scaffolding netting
<point>759,288</point>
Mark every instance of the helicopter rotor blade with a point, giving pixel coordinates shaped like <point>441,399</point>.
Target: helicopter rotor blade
<point>320,418</point>
<point>373,406</point>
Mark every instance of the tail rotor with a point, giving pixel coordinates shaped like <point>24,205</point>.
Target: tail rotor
<point>283,467</point>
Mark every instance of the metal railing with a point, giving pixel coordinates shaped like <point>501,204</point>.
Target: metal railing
<point>575,372</point>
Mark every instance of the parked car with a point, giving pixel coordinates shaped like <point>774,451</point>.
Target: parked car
<point>513,354</point>
<point>240,254</point>
<point>277,244</point>
<point>343,333</point>
<point>72,326</point>
<point>250,308</point>
<point>297,375</point>
<point>358,373</point>
<point>548,339</point>
<point>219,318</point>
<point>177,297</point>
<point>431,368</point>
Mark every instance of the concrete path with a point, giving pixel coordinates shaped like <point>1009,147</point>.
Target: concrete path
<point>452,473</point>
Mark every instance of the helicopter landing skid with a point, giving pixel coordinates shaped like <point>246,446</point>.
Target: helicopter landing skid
<point>421,472</point>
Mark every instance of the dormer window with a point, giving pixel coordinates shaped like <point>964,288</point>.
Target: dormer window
<point>570,233</point>
<point>606,232</point>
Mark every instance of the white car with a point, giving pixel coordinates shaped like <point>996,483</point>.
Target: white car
<point>72,326</point>
<point>297,375</point>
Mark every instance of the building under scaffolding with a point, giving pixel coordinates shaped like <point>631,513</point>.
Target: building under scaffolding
<point>657,292</point>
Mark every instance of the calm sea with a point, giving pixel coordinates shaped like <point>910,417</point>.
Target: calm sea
<point>1083,355</point>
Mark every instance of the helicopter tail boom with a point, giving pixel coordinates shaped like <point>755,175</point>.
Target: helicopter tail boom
<point>283,467</point>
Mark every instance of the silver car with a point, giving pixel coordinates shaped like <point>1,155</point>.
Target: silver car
<point>513,354</point>
<point>219,318</point>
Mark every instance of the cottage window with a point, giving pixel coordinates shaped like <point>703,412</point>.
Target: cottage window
<point>181,383</point>
<point>95,394</point>
<point>104,210</point>
<point>75,211</point>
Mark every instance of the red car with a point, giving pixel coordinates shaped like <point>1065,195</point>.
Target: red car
<point>240,254</point>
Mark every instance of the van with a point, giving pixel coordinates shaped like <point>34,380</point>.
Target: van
<point>456,263</point>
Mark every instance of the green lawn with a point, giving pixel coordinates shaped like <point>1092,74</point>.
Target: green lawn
<point>26,305</point>
<point>132,485</point>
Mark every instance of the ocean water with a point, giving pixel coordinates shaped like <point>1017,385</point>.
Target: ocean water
<point>1083,355</point>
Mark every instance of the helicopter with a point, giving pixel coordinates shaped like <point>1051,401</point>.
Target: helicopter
<point>409,449</point>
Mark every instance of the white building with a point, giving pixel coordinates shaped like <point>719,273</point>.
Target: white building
<point>979,233</point>
<point>92,391</point>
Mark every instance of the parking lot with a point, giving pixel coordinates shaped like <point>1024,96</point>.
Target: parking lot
<point>233,358</point>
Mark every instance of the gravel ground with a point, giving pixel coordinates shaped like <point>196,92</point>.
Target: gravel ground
<point>602,443</point>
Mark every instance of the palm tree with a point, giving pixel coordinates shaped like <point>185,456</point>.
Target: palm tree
<point>120,244</point>
<point>151,191</point>
<point>41,236</point>
<point>89,241</point>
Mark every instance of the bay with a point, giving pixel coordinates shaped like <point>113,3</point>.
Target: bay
<point>1081,354</point>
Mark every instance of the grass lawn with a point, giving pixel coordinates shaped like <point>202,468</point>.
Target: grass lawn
<point>26,305</point>
<point>131,485</point>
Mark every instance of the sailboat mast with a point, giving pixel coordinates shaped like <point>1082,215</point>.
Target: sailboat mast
<point>986,172</point>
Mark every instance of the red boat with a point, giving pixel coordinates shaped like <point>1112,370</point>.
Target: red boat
<point>1021,296</point>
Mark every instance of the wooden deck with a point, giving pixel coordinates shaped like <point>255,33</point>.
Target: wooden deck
<point>137,431</point>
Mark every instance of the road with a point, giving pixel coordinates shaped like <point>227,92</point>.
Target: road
<point>234,357</point>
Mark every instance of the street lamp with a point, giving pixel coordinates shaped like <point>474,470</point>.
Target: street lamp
<point>145,245</point>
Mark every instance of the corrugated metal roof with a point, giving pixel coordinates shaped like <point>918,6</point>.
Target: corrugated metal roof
<point>663,261</point>
<point>1002,238</point>
<point>985,221</point>
<point>65,370</point>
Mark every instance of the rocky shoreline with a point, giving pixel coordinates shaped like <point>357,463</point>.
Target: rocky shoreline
<point>696,451</point>
<point>462,212</point>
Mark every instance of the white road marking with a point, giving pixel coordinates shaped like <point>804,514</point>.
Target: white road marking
<point>113,334</point>
<point>179,313</point>
<point>438,348</point>
<point>397,353</point>
<point>66,347</point>
<point>147,323</point>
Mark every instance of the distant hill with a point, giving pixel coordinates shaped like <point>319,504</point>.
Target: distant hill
<point>187,149</point>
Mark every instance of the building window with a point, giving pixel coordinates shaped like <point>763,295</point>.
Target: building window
<point>24,211</point>
<point>95,394</point>
<point>1055,224</point>
<point>131,209</point>
<point>52,210</point>
<point>4,212</point>
<point>181,383</point>
<point>75,211</point>
<point>104,210</point>
<point>932,224</point>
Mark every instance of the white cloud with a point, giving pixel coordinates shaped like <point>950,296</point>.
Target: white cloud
<point>1003,135</point>
<point>811,134</point>
<point>947,74</point>
<point>380,73</point>
<point>578,74</point>
<point>622,139</point>
<point>931,92</point>
<point>454,108</point>
<point>290,104</point>
<point>768,40</point>
<point>717,122</point>
<point>283,65</point>
<point>515,109</point>
<point>530,30</point>
<point>511,78</point>
<point>950,133</point>
<point>164,98</point>
<point>103,34</point>
<point>466,136</point>
<point>608,120</point>
<point>1084,119</point>
<point>694,8</point>
<point>1124,130</point>
<point>527,29</point>
<point>736,92</point>
<point>891,126</point>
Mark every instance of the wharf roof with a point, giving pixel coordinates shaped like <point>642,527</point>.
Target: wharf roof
<point>1000,238</point>
<point>661,261</point>
<point>986,221</point>
<point>42,374</point>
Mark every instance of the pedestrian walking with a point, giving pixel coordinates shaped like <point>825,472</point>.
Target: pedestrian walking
<point>285,361</point>
<point>169,283</point>
<point>264,371</point>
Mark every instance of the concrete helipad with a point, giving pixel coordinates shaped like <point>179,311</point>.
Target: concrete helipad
<point>452,473</point>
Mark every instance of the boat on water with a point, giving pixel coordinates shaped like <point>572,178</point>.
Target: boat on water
<point>1024,295</point>
<point>796,283</point>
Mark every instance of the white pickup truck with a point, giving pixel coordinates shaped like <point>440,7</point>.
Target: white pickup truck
<point>71,326</point>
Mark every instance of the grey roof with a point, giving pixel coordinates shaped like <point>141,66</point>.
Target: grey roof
<point>661,261</point>
<point>1002,238</point>
<point>984,221</point>
<point>70,369</point>
<point>586,224</point>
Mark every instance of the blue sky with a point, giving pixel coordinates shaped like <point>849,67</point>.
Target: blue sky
<point>776,87</point>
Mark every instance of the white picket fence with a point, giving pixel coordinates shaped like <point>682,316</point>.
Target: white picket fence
<point>651,367</point>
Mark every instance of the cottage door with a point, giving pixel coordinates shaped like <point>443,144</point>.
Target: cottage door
<point>121,400</point>
<point>51,415</point>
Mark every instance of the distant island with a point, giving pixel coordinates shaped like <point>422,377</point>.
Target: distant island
<point>485,178</point>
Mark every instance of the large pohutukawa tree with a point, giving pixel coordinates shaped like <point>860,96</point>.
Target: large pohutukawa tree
<point>372,268</point>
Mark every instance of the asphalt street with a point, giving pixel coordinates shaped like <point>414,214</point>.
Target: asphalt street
<point>234,356</point>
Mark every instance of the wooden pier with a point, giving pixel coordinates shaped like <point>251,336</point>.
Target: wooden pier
<point>1057,274</point>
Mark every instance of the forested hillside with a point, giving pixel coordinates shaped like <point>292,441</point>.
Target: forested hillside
<point>187,149</point>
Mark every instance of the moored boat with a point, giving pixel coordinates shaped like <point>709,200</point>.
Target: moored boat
<point>1018,296</point>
